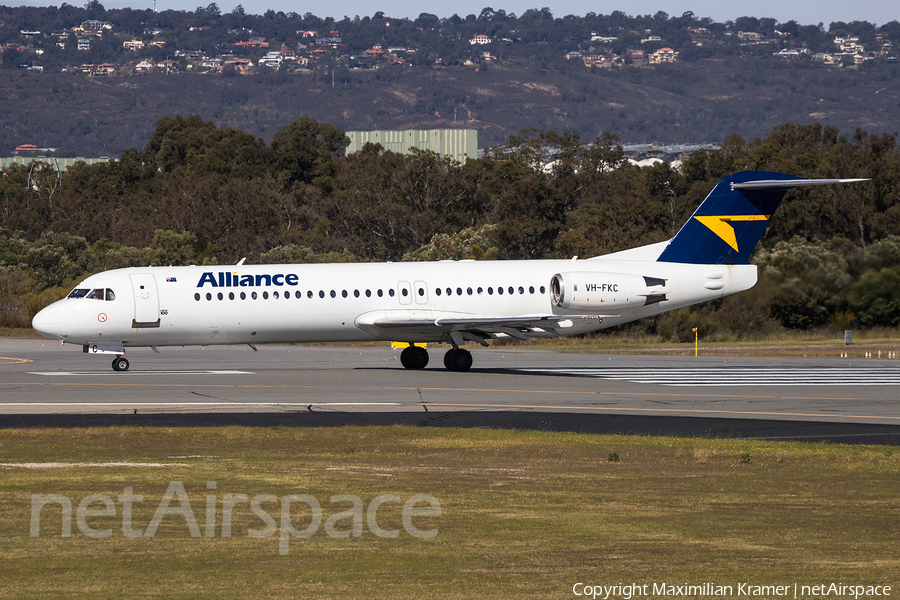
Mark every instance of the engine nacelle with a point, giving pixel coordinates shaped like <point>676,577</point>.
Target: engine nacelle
<point>596,292</point>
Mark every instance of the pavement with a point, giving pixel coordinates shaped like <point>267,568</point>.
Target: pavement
<point>43,383</point>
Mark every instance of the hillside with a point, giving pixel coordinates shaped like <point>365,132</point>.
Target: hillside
<point>700,101</point>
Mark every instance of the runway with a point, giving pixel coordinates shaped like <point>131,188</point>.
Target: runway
<point>44,383</point>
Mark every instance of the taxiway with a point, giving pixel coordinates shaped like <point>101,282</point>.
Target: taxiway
<point>44,383</point>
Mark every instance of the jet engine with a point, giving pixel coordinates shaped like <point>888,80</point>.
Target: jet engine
<point>593,292</point>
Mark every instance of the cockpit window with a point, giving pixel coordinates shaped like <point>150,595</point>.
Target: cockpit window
<point>78,293</point>
<point>98,294</point>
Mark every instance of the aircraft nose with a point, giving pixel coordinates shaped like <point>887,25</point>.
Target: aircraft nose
<point>46,322</point>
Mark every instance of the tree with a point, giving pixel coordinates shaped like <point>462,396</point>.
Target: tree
<point>229,151</point>
<point>175,140</point>
<point>170,248</point>
<point>300,149</point>
<point>806,282</point>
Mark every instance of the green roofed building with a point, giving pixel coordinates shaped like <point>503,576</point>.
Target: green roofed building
<point>459,144</point>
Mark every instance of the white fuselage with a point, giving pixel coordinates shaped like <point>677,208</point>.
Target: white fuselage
<point>202,305</point>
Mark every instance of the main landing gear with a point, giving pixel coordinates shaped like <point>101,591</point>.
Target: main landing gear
<point>416,357</point>
<point>457,359</point>
<point>120,363</point>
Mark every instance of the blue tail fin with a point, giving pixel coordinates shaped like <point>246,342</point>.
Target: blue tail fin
<point>730,222</point>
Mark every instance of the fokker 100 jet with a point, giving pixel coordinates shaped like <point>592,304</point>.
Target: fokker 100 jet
<point>452,302</point>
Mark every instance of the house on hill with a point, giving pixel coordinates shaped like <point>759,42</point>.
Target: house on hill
<point>26,148</point>
<point>663,55</point>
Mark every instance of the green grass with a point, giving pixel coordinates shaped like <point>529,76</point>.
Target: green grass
<point>524,514</point>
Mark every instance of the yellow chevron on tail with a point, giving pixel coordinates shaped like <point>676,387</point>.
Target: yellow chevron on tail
<point>722,227</point>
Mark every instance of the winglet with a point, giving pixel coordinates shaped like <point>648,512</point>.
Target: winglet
<point>729,223</point>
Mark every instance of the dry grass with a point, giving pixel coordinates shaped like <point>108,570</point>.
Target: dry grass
<point>524,514</point>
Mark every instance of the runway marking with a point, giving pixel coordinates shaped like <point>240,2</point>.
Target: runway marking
<point>737,376</point>
<point>60,465</point>
<point>669,410</point>
<point>331,388</point>
<point>15,361</point>
<point>121,374</point>
<point>475,405</point>
<point>223,403</point>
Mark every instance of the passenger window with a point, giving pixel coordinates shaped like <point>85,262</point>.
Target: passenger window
<point>208,296</point>
<point>321,293</point>
<point>243,295</point>
<point>404,292</point>
<point>196,297</point>
<point>490,291</point>
<point>421,292</point>
<point>459,291</point>
<point>231,295</point>
<point>333,294</point>
<point>542,289</point>
<point>521,290</point>
<point>368,293</point>
<point>110,295</point>
<point>511,291</point>
<point>275,295</point>
<point>265,295</point>
<point>531,289</point>
<point>253,295</point>
<point>480,290</point>
<point>344,294</point>
<point>469,291</point>
<point>437,291</point>
<point>449,292</point>
<point>391,292</point>
<point>78,293</point>
<point>297,294</point>
<point>500,290</point>
<point>220,296</point>
<point>379,293</point>
<point>309,294</point>
<point>356,293</point>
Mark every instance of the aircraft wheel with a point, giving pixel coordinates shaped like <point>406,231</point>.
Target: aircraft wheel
<point>457,359</point>
<point>120,364</point>
<point>414,357</point>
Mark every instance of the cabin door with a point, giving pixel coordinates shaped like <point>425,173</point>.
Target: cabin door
<point>146,300</point>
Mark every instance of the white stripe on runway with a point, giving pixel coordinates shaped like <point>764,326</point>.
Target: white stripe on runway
<point>738,376</point>
<point>126,373</point>
<point>133,404</point>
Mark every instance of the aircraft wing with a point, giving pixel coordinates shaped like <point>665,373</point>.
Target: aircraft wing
<point>465,327</point>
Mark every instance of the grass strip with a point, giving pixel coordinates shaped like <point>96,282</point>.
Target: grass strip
<point>523,514</point>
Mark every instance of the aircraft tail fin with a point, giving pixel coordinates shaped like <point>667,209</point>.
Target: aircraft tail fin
<point>732,219</point>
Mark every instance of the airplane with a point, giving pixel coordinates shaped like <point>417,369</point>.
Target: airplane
<point>451,302</point>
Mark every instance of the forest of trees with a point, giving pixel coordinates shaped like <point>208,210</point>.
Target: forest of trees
<point>198,193</point>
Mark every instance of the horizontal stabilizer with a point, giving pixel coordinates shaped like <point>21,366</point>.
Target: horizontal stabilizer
<point>787,184</point>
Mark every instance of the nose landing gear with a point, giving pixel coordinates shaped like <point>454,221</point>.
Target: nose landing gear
<point>120,363</point>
